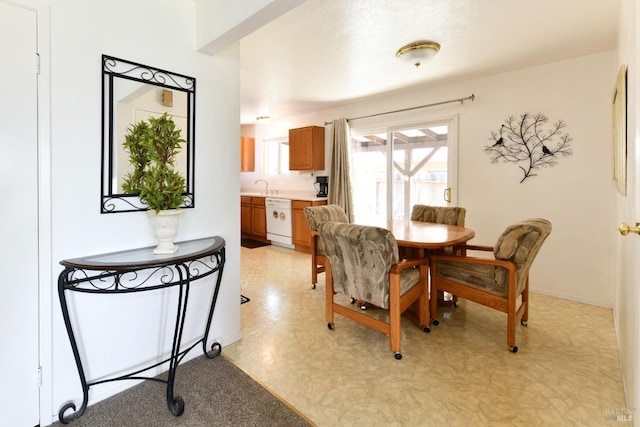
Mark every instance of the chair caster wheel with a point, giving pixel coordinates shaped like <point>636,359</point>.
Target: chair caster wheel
<point>426,329</point>
<point>524,323</point>
<point>514,349</point>
<point>313,286</point>
<point>435,322</point>
<point>353,300</point>
<point>398,356</point>
<point>330,326</point>
<point>363,307</point>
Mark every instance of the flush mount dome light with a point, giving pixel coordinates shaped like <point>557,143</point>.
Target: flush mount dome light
<point>419,52</point>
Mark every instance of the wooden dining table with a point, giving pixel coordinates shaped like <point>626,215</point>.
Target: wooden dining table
<point>422,237</point>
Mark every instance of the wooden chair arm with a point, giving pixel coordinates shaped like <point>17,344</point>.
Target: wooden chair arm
<point>475,248</point>
<point>397,268</point>
<point>509,265</point>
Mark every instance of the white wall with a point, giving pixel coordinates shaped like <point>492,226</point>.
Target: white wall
<point>221,23</point>
<point>160,34</point>
<point>577,195</point>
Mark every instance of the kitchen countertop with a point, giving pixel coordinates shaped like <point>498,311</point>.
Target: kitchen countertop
<point>284,195</point>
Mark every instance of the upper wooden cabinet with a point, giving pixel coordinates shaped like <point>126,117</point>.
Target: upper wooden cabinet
<point>306,148</point>
<point>247,154</point>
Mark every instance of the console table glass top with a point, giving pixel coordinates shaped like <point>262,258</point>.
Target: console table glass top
<point>144,257</point>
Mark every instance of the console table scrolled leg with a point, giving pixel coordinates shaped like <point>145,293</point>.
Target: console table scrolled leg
<point>64,417</point>
<point>216,347</point>
<point>176,403</point>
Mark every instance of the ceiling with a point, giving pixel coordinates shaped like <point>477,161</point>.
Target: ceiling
<point>327,53</point>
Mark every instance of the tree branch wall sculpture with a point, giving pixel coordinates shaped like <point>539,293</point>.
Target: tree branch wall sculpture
<point>529,141</point>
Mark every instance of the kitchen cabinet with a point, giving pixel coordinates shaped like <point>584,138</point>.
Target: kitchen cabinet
<point>259,217</point>
<point>301,236</point>
<point>247,154</point>
<point>253,218</point>
<point>245,215</point>
<point>306,148</point>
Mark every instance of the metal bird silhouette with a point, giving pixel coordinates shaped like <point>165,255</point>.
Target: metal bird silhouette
<point>523,141</point>
<point>500,141</point>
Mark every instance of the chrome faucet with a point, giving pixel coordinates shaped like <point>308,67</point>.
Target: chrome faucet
<point>266,185</point>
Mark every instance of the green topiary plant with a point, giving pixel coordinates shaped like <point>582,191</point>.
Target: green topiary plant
<point>152,146</point>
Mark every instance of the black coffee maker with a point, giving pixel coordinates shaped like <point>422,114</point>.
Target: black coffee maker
<point>322,186</point>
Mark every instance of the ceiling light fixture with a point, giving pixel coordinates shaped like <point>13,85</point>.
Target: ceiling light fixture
<point>418,52</point>
<point>263,120</point>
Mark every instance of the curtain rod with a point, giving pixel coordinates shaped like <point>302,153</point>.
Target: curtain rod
<point>460,100</point>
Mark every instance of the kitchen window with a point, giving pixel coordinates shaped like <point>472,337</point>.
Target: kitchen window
<point>276,156</point>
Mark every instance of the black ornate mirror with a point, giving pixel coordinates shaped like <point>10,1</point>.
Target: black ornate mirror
<point>132,92</point>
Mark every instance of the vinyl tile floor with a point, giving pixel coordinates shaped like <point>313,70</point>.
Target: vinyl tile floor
<point>566,372</point>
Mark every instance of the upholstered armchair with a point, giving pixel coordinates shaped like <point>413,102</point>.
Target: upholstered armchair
<point>439,214</point>
<point>451,215</point>
<point>315,216</point>
<point>362,263</point>
<point>499,282</point>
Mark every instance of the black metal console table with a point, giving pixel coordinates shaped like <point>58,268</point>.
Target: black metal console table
<point>139,270</point>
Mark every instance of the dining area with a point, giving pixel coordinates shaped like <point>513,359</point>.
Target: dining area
<point>409,267</point>
<point>459,374</point>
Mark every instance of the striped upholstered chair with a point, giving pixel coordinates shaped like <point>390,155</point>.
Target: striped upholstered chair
<point>439,214</point>
<point>451,215</point>
<point>362,262</point>
<point>499,282</point>
<point>315,216</point>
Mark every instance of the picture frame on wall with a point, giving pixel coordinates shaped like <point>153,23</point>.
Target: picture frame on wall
<point>620,131</point>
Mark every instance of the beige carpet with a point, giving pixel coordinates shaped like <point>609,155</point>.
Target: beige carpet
<point>215,393</point>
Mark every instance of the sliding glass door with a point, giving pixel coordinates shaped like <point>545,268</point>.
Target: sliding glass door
<point>398,168</point>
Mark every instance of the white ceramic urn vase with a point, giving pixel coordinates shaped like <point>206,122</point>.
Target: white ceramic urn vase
<point>165,227</point>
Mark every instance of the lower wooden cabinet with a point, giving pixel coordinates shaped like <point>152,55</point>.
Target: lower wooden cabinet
<point>301,236</point>
<point>253,218</point>
<point>259,217</point>
<point>253,221</point>
<point>245,215</point>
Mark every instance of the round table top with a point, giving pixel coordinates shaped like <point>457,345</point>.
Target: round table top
<point>425,235</point>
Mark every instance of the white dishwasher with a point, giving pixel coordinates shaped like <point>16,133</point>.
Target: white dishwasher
<point>279,222</point>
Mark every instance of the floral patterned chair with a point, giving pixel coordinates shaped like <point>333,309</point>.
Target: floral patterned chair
<point>452,215</point>
<point>439,214</point>
<point>498,282</point>
<point>362,262</point>
<point>315,216</point>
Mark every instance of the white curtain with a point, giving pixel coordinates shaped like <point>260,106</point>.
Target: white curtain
<point>340,170</point>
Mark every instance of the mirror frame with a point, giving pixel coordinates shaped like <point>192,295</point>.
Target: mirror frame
<point>113,201</point>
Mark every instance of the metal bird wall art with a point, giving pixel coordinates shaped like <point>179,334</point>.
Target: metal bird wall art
<point>530,142</point>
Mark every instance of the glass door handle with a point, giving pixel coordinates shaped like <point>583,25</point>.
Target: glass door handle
<point>447,194</point>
